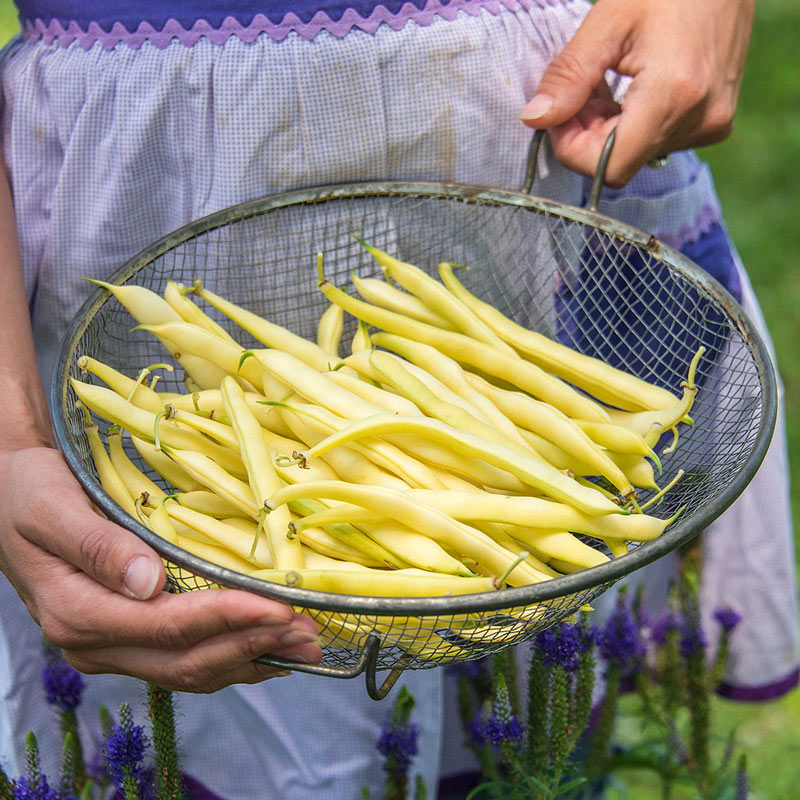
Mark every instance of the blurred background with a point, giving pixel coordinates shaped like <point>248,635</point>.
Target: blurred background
<point>756,174</point>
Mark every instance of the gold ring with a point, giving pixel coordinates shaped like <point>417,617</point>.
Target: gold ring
<point>658,162</point>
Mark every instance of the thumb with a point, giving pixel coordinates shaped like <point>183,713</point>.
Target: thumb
<point>574,74</point>
<point>72,530</point>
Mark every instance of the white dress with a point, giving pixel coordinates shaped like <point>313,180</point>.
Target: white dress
<point>113,138</point>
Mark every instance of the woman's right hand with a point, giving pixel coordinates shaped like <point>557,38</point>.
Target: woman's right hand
<point>95,590</point>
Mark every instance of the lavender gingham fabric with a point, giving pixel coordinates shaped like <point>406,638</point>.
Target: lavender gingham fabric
<point>108,148</point>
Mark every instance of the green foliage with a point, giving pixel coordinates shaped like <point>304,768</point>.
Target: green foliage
<point>167,768</point>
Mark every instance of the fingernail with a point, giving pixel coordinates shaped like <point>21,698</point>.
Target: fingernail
<point>292,656</point>
<point>293,638</point>
<point>538,106</point>
<point>276,618</point>
<point>141,577</point>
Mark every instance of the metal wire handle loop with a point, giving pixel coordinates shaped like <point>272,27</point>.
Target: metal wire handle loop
<point>531,161</point>
<point>599,175</point>
<point>367,663</point>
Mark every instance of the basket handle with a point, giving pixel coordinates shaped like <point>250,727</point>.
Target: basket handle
<point>367,663</point>
<point>599,175</point>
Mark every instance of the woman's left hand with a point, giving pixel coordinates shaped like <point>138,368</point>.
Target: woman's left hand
<point>686,59</point>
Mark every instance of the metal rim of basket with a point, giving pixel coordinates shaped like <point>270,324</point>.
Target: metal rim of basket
<point>678,534</point>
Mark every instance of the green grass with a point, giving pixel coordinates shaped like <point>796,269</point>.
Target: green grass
<point>9,24</point>
<point>766,732</point>
<point>756,176</point>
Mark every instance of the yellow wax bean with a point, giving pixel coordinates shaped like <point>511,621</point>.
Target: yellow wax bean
<point>314,386</point>
<point>378,583</point>
<point>652,424</point>
<point>337,631</point>
<point>176,295</point>
<point>348,543</point>
<point>109,478</point>
<point>221,432</point>
<point>560,545</point>
<point>384,454</point>
<point>198,341</point>
<point>329,330</point>
<point>206,471</point>
<point>264,481</point>
<point>415,548</point>
<point>200,373</point>
<point>499,535</point>
<point>462,539</point>
<point>161,524</point>
<point>637,469</point>
<point>185,532</point>
<point>617,547</point>
<point>450,373</point>
<point>539,513</point>
<point>134,479</point>
<point>144,305</point>
<point>383,294</point>
<point>550,423</point>
<point>361,340</point>
<point>394,373</point>
<point>611,385</point>
<point>210,402</point>
<point>445,459</point>
<point>136,392</point>
<point>162,464</point>
<point>380,398</point>
<point>109,405</point>
<point>619,439</point>
<point>484,357</point>
<point>268,333</point>
<point>363,363</point>
<point>494,634</point>
<point>337,513</point>
<point>149,308</point>
<point>532,472</point>
<point>345,461</point>
<point>215,554</point>
<point>436,296</point>
<point>210,503</point>
<point>221,533</point>
<point>317,561</point>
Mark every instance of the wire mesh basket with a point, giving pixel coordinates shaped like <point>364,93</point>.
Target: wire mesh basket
<point>582,278</point>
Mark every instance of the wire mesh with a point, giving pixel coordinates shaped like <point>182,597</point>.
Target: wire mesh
<point>586,281</point>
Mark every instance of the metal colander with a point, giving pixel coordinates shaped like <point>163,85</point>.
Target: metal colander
<point>580,277</point>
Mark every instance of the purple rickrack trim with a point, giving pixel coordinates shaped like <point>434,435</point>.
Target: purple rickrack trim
<point>54,31</point>
<point>701,224</point>
<point>758,694</point>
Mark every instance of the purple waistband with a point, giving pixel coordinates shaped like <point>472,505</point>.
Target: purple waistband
<point>111,22</point>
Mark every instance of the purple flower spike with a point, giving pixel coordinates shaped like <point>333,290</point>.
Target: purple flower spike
<point>399,744</point>
<point>476,728</point>
<point>35,789</point>
<point>562,646</point>
<point>63,685</point>
<point>494,731</point>
<point>693,640</point>
<point>125,748</point>
<point>669,621</point>
<point>620,640</point>
<point>467,669</point>
<point>727,618</point>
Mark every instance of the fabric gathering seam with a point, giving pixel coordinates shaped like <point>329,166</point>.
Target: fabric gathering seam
<point>56,32</point>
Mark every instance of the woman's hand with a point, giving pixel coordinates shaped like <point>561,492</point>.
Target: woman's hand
<point>95,590</point>
<point>686,59</point>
